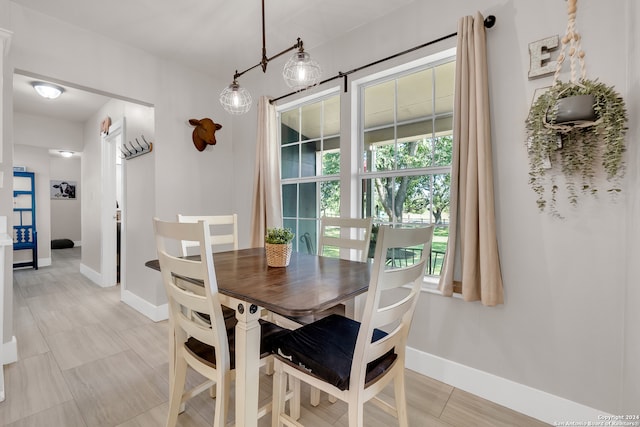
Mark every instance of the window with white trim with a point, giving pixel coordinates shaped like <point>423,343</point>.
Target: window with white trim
<point>406,122</point>
<point>310,167</point>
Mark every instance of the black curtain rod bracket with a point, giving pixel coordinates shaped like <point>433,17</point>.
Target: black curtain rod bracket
<point>489,22</point>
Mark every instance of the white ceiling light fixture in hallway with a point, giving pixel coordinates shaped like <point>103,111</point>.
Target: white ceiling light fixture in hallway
<point>47,90</point>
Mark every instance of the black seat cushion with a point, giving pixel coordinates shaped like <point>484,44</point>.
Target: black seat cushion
<point>325,349</point>
<point>269,332</point>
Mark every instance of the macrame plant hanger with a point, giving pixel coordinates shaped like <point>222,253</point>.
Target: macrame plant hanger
<point>571,40</point>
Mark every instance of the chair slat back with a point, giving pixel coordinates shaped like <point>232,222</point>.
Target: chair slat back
<point>346,233</point>
<point>217,223</point>
<point>175,269</point>
<point>388,306</point>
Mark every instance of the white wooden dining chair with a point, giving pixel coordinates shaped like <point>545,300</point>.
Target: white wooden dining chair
<point>349,236</point>
<point>224,234</point>
<point>345,234</point>
<point>208,348</point>
<point>224,230</point>
<point>354,361</point>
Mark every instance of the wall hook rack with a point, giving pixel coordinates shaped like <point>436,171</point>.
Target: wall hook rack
<point>131,150</point>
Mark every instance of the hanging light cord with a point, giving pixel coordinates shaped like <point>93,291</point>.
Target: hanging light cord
<point>265,60</point>
<point>489,22</point>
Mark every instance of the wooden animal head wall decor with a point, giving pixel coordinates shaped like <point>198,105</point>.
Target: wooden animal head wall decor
<point>104,126</point>
<point>204,133</point>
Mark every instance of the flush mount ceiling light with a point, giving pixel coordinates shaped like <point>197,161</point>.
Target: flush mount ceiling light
<point>47,90</point>
<point>300,72</point>
<point>66,153</point>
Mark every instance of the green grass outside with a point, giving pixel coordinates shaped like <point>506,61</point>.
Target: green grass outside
<point>438,246</point>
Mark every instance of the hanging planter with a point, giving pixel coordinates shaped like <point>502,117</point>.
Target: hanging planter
<point>574,110</point>
<point>577,127</point>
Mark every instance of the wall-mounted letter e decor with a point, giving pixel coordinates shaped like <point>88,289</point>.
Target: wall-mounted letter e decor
<point>540,63</point>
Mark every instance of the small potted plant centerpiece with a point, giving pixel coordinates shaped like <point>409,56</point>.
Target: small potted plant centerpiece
<point>278,246</point>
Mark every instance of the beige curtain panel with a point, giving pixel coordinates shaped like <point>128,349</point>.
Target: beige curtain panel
<point>472,263</point>
<point>267,198</point>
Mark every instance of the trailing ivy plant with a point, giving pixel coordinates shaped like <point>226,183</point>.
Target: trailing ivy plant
<point>579,152</point>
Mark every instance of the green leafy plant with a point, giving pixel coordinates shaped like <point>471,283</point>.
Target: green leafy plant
<point>577,151</point>
<point>279,235</point>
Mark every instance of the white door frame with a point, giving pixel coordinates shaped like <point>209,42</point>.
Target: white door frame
<point>110,143</point>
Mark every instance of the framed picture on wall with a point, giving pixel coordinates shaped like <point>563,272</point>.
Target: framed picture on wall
<point>63,190</point>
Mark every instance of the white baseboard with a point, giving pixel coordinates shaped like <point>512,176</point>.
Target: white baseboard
<point>153,312</point>
<point>518,397</point>
<point>77,243</point>
<point>10,351</point>
<point>92,275</point>
<point>42,262</point>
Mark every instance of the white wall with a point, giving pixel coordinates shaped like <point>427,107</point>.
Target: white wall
<point>566,324</point>
<point>65,214</point>
<point>46,132</point>
<point>631,368</point>
<point>6,167</point>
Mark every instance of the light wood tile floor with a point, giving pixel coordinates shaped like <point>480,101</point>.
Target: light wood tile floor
<point>88,360</point>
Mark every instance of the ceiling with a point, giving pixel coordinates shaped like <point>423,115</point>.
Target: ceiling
<point>75,105</point>
<point>213,36</point>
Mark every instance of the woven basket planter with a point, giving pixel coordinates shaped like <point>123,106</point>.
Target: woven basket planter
<point>278,255</point>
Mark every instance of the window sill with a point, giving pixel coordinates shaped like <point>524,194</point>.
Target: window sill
<point>430,286</point>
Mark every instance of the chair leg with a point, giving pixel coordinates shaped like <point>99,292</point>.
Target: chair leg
<point>176,390</point>
<point>222,403</point>
<point>356,414</point>
<point>294,403</point>
<point>401,400</point>
<point>315,396</point>
<point>269,367</point>
<point>279,389</point>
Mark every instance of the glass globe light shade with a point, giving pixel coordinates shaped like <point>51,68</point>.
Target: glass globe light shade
<point>301,72</point>
<point>47,90</point>
<point>235,99</point>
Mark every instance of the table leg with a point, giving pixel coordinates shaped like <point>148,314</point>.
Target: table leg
<point>355,307</point>
<point>247,364</point>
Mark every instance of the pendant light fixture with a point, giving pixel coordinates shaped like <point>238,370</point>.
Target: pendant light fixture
<point>236,99</point>
<point>300,72</point>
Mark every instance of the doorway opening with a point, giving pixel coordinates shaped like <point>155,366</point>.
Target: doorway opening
<point>72,123</point>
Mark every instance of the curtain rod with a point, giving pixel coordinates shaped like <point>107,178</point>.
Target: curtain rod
<point>489,22</point>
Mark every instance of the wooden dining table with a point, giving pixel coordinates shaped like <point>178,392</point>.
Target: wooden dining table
<point>308,285</point>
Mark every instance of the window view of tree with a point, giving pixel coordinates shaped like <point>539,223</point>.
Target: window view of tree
<point>413,194</point>
<point>330,190</point>
<point>406,145</point>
